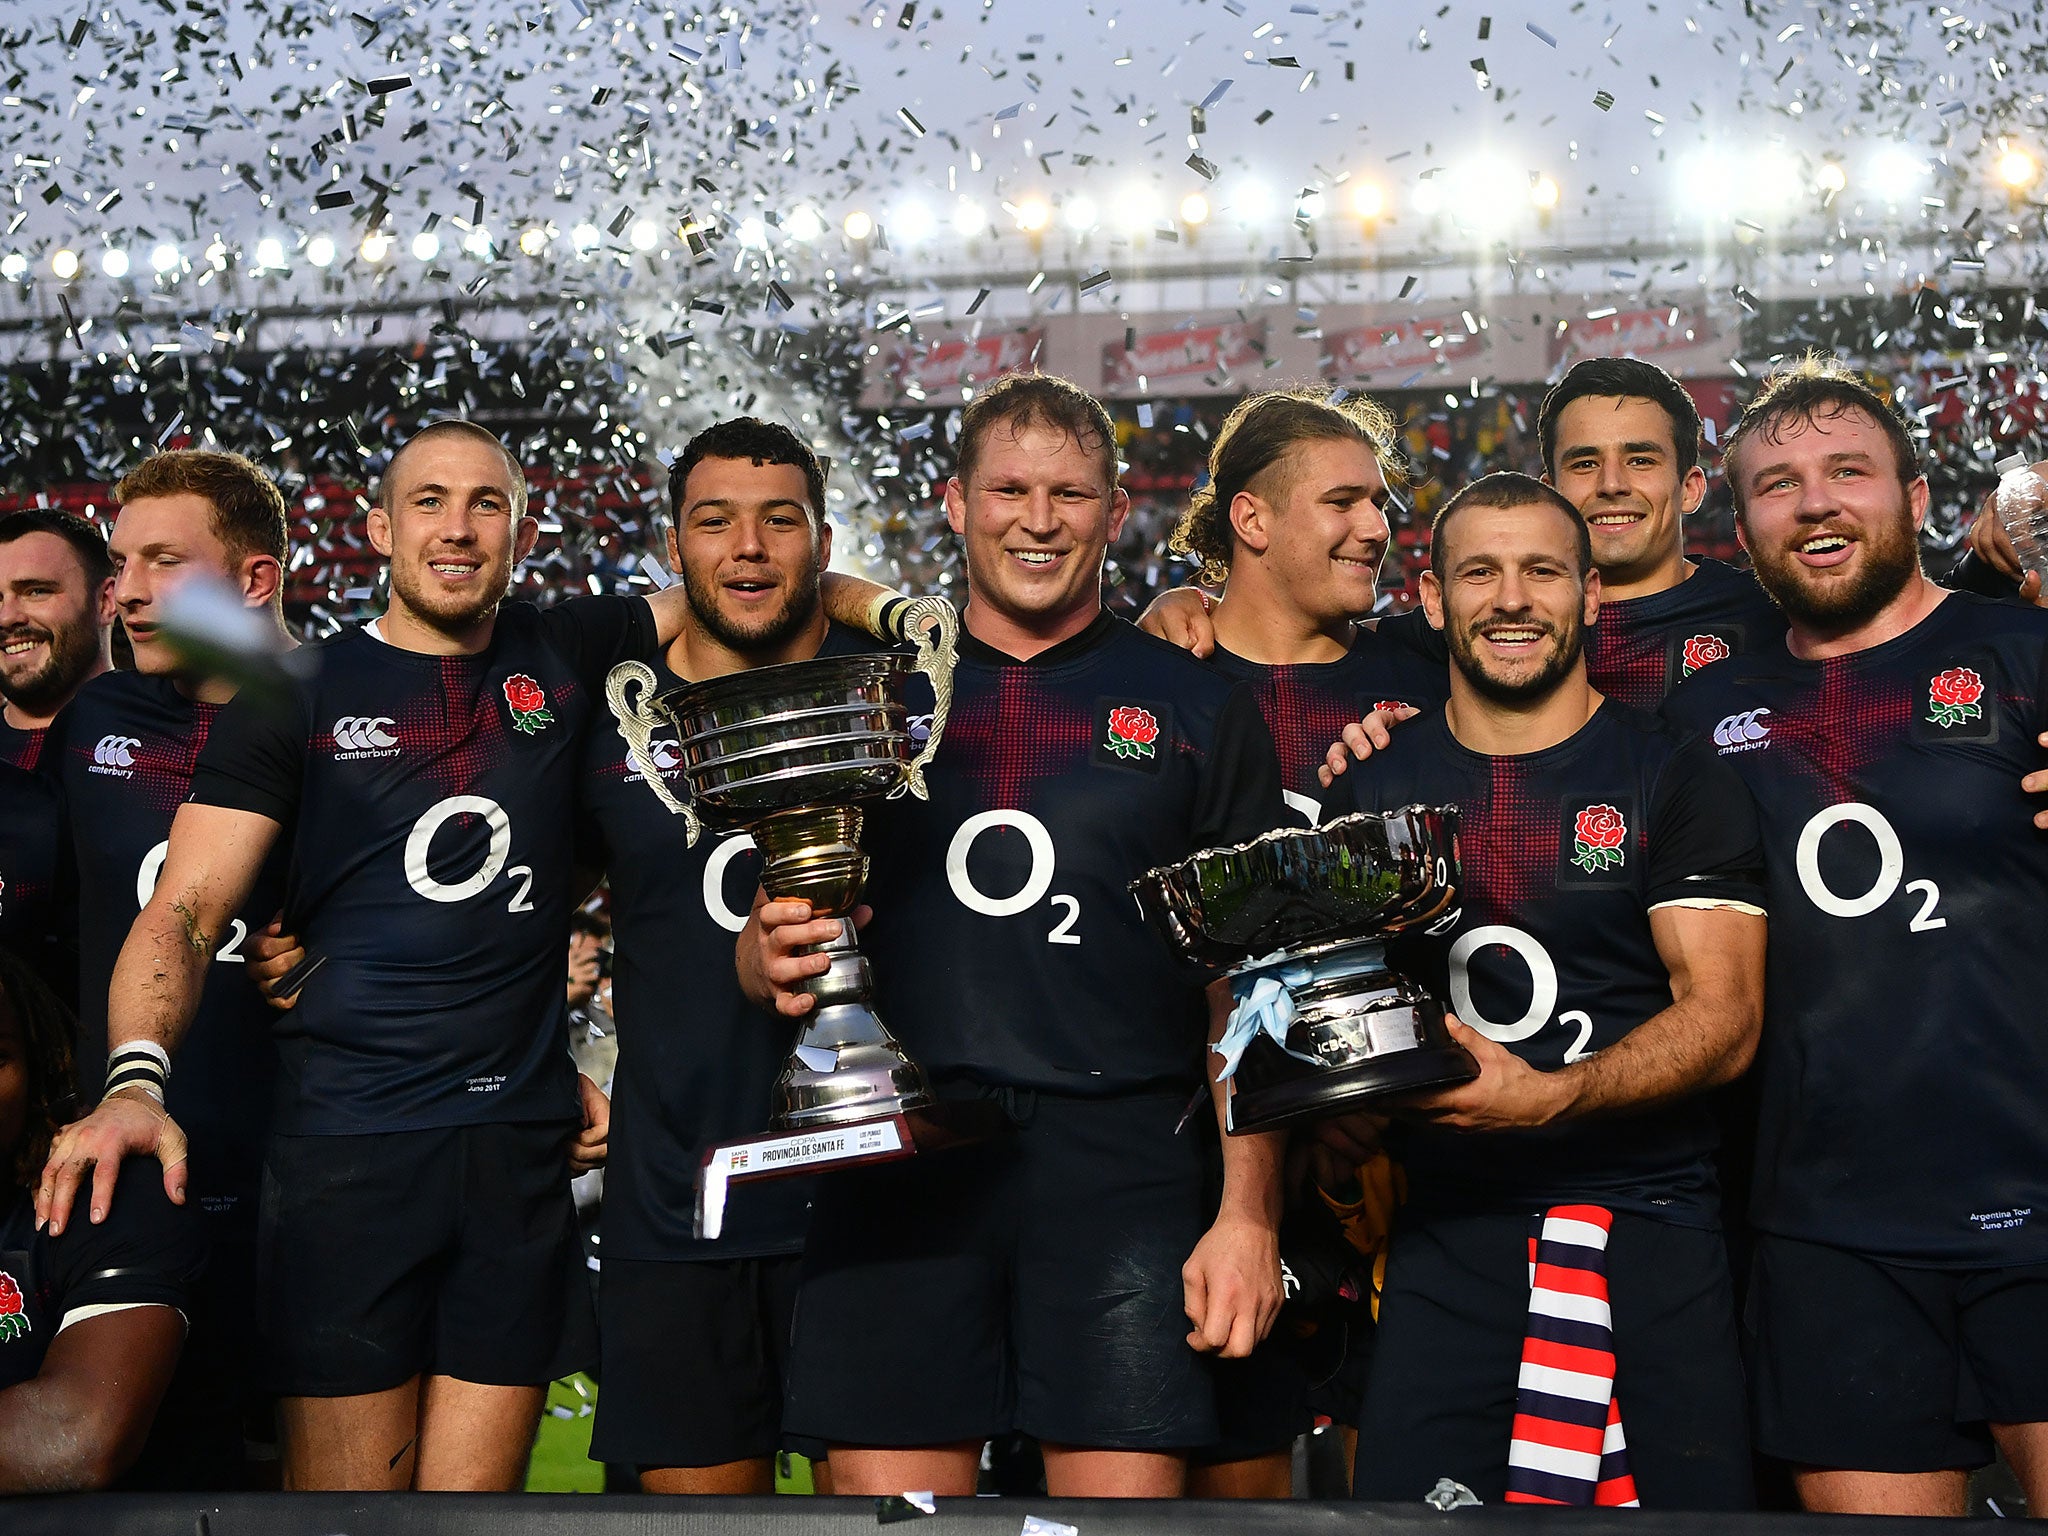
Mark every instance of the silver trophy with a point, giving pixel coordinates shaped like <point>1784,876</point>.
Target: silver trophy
<point>793,754</point>
<point>1298,919</point>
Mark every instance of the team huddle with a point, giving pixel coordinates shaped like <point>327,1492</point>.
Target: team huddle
<point>1749,863</point>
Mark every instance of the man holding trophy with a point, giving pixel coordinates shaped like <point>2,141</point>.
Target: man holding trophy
<point>748,542</point>
<point>1037,1281</point>
<point>1557,1323</point>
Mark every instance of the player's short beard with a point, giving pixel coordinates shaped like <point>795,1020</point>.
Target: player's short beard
<point>799,608</point>
<point>449,619</point>
<point>1570,644</point>
<point>1890,557</point>
<point>74,649</point>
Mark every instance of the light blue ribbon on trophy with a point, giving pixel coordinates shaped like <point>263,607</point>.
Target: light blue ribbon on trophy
<point>1265,1000</point>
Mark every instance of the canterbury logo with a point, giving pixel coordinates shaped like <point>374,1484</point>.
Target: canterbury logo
<point>116,751</point>
<point>666,754</point>
<point>1743,730</point>
<point>363,733</point>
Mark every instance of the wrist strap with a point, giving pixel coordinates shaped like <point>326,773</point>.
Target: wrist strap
<point>890,612</point>
<point>139,1064</point>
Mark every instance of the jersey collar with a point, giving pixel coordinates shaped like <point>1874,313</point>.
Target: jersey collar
<point>1098,630</point>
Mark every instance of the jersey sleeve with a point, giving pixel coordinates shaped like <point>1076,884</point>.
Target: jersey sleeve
<point>254,758</point>
<point>148,1252</point>
<point>597,633</point>
<point>1240,791</point>
<point>1970,574</point>
<point>1706,845</point>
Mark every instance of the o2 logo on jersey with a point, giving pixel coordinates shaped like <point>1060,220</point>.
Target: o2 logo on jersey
<point>1542,990</point>
<point>729,917</point>
<point>1891,868</point>
<point>419,844</point>
<point>146,876</point>
<point>1037,882</point>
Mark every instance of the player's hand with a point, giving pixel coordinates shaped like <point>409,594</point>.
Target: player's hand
<point>1361,739</point>
<point>772,964</point>
<point>273,955</point>
<point>2036,783</point>
<point>1989,542</point>
<point>128,1121</point>
<point>587,1151</point>
<point>1180,616</point>
<point>583,976</point>
<point>1231,1287</point>
<point>1508,1094</point>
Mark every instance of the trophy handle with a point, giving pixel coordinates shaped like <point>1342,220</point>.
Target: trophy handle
<point>620,685</point>
<point>938,649</point>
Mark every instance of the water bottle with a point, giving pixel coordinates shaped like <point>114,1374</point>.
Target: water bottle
<point>2022,505</point>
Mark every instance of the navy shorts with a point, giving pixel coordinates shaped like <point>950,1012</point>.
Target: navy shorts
<point>447,1252</point>
<point>1031,1283</point>
<point>695,1352</point>
<point>1440,1401</point>
<point>1866,1366</point>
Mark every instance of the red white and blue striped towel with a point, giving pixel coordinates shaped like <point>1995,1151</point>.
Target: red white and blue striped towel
<point>1568,1446</point>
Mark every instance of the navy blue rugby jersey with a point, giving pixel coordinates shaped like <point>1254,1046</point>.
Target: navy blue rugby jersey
<point>697,1061</point>
<point>1306,706</point>
<point>1563,853</point>
<point>124,754</point>
<point>34,922</point>
<point>148,1252</point>
<point>1643,647</point>
<point>428,804</point>
<point>1904,1062</point>
<point>1006,945</point>
<point>20,748</point>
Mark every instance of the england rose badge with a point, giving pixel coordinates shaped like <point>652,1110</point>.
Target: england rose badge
<point>1704,651</point>
<point>13,1310</point>
<point>1600,836</point>
<point>1955,698</point>
<point>528,702</point>
<point>1132,732</point>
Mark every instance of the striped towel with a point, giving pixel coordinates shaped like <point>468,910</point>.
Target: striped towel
<point>1568,1447</point>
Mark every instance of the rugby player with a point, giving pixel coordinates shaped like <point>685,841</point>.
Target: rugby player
<point>423,1279</point>
<point>1056,1281</point>
<point>1604,965</point>
<point>56,622</point>
<point>695,1333</point>
<point>1899,1293</point>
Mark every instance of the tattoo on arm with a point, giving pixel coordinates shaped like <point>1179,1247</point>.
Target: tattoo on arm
<point>200,944</point>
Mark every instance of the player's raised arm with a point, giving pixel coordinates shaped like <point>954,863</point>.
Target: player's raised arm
<point>854,600</point>
<point>212,862</point>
